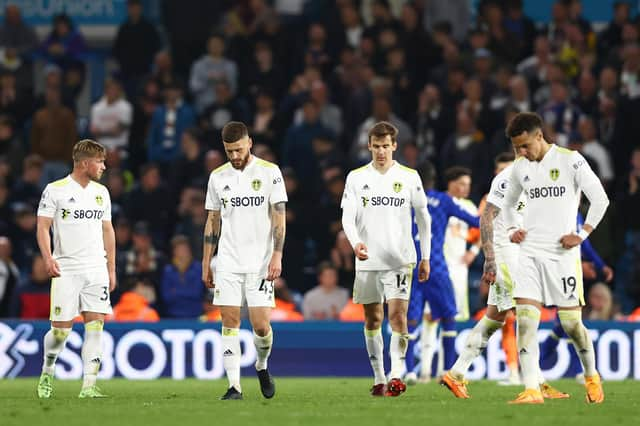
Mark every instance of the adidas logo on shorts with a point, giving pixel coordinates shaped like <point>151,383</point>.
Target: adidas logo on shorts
<point>228,352</point>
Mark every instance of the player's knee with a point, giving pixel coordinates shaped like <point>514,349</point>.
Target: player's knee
<point>398,319</point>
<point>571,322</point>
<point>60,334</point>
<point>262,330</point>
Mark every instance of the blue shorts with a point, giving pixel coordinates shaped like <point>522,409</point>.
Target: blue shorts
<point>438,291</point>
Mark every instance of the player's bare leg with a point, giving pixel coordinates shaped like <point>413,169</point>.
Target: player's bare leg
<point>91,354</point>
<point>374,315</point>
<point>231,350</point>
<point>398,345</point>
<point>263,341</point>
<point>54,342</point>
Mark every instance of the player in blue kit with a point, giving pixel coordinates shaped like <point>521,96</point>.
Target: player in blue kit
<point>438,290</point>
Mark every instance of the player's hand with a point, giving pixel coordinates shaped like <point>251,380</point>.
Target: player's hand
<point>589,271</point>
<point>607,273</point>
<point>275,266</point>
<point>53,269</point>
<point>361,251</point>
<point>570,241</point>
<point>489,272</point>
<point>207,276</point>
<point>423,270</point>
<point>518,236</point>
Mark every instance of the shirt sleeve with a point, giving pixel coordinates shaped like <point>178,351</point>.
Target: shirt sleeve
<point>278,192</point>
<point>455,210</point>
<point>349,213</point>
<point>48,205</point>
<point>106,200</point>
<point>418,197</point>
<point>590,184</point>
<point>212,202</point>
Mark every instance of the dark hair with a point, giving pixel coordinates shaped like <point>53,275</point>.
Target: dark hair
<point>523,122</point>
<point>233,131</point>
<point>323,266</point>
<point>428,175</point>
<point>382,129</point>
<point>455,172</point>
<point>505,157</point>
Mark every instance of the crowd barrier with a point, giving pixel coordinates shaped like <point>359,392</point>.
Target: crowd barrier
<point>181,349</point>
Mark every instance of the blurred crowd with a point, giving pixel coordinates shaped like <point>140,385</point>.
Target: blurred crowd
<point>309,78</point>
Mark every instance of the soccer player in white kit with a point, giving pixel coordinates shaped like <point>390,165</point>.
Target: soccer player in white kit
<point>82,264</point>
<point>549,267</point>
<point>507,225</point>
<point>248,194</point>
<point>376,217</point>
<point>456,254</point>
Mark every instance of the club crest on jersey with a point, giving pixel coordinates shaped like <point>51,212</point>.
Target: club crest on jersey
<point>397,186</point>
<point>256,184</point>
<point>99,199</point>
<point>555,174</point>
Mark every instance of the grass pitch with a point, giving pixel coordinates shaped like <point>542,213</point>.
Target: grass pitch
<point>303,401</point>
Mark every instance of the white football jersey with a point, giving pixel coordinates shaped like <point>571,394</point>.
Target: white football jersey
<point>552,188</point>
<point>383,205</point>
<point>244,199</point>
<point>455,239</point>
<point>496,195</point>
<point>78,213</point>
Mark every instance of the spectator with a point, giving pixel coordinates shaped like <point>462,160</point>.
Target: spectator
<point>285,309</point>
<point>11,146</point>
<point>134,47</point>
<point>147,202</point>
<point>343,260</point>
<point>468,148</point>
<point>298,149</point>
<point>600,303</point>
<point>65,47</point>
<point>111,118</point>
<point>31,299</point>
<point>592,148</point>
<point>181,288</point>
<point>53,134</point>
<point>167,124</point>
<point>265,128</point>
<point>188,169</point>
<point>16,101</point>
<point>226,108</point>
<point>15,35</point>
<point>381,111</point>
<point>9,278</point>
<point>264,74</point>
<point>455,12</point>
<point>209,70</point>
<point>143,258</point>
<point>28,188</point>
<point>23,237</point>
<point>134,303</point>
<point>330,114</point>
<point>327,299</point>
<point>433,123</point>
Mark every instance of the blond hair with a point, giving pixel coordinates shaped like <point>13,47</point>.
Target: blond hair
<point>87,148</point>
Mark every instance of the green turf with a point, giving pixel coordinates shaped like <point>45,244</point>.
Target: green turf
<point>326,401</point>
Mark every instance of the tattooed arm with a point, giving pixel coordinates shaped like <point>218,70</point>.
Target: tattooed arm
<point>278,229</point>
<point>486,234</point>
<point>211,236</point>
